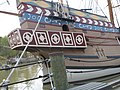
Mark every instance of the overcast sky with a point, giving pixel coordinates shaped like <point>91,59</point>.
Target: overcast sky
<point>9,22</point>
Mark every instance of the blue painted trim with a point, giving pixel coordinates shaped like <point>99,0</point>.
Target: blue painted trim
<point>113,56</point>
<point>48,20</point>
<point>93,27</point>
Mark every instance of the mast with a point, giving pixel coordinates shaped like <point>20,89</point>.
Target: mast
<point>110,11</point>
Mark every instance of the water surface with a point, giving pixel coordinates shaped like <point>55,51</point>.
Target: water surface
<point>24,73</point>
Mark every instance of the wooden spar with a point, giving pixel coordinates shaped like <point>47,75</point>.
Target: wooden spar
<point>110,11</point>
<point>10,13</point>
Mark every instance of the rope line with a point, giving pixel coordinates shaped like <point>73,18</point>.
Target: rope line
<point>23,65</point>
<point>101,9</point>
<point>28,84</point>
<point>18,60</point>
<point>50,74</point>
<point>9,84</point>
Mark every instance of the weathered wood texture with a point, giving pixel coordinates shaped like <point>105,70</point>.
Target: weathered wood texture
<point>59,71</point>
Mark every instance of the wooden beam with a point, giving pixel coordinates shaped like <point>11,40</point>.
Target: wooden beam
<point>10,13</point>
<point>59,70</point>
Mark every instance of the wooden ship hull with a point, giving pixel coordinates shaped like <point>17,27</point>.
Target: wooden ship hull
<point>87,40</point>
<point>81,75</point>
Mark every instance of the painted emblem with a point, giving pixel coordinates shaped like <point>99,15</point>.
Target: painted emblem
<point>47,39</point>
<point>17,38</point>
<point>27,37</point>
<point>79,39</point>
<point>67,39</point>
<point>42,37</point>
<point>55,38</point>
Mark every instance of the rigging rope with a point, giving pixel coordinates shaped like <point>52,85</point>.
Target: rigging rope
<point>23,65</point>
<point>90,3</point>
<point>118,3</point>
<point>101,9</point>
<point>4,85</point>
<point>107,19</point>
<point>116,18</point>
<point>50,75</point>
<point>28,84</point>
<point>24,49</point>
